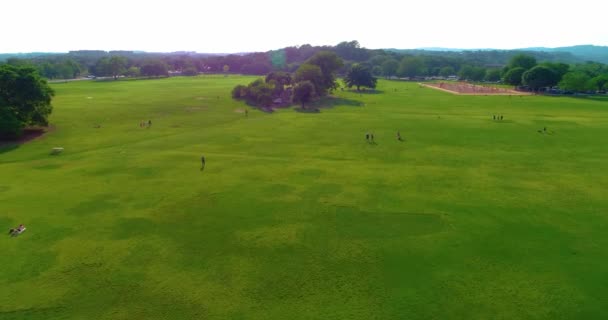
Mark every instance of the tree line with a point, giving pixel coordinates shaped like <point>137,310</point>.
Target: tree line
<point>482,65</point>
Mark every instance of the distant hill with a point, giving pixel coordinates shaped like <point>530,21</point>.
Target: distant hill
<point>584,52</point>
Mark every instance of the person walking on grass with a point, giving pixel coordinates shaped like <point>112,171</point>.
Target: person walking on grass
<point>399,136</point>
<point>202,163</point>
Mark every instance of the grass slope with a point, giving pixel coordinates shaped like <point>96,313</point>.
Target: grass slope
<point>296,216</point>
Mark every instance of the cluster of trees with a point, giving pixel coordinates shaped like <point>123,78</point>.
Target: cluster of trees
<point>314,78</point>
<point>523,70</point>
<point>25,99</point>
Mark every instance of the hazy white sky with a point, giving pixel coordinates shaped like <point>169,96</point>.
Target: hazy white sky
<point>250,25</point>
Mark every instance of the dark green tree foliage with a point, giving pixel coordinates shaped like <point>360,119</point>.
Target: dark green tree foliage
<point>111,66</point>
<point>239,92</point>
<point>389,67</point>
<point>522,61</point>
<point>560,69</point>
<point>312,73</point>
<point>377,71</point>
<point>576,81</point>
<point>600,82</point>
<point>133,72</point>
<point>303,92</point>
<point>25,99</point>
<point>259,93</point>
<point>592,69</point>
<point>329,63</point>
<point>447,71</point>
<point>492,75</point>
<point>539,77</point>
<point>154,68</point>
<point>412,66</point>
<point>360,75</point>
<point>513,76</point>
<point>281,78</point>
<point>472,73</point>
<point>351,50</point>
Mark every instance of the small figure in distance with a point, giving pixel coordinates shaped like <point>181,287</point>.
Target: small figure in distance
<point>202,163</point>
<point>367,137</point>
<point>149,123</point>
<point>399,136</point>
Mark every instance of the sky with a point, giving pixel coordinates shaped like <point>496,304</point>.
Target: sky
<point>216,26</point>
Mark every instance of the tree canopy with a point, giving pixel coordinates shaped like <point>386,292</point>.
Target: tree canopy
<point>576,81</point>
<point>360,75</point>
<point>539,77</point>
<point>303,92</point>
<point>522,61</point>
<point>389,67</point>
<point>25,99</point>
<point>329,63</point>
<point>312,73</point>
<point>513,76</point>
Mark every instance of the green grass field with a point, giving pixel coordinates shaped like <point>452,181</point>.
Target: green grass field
<point>296,217</point>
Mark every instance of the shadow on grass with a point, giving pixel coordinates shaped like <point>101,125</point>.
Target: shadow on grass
<point>8,146</point>
<point>307,110</point>
<point>328,103</point>
<point>365,91</point>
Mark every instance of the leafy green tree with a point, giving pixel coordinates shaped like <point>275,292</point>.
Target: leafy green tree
<point>447,71</point>
<point>412,66</point>
<point>389,67</point>
<point>592,69</point>
<point>282,78</point>
<point>239,92</point>
<point>154,68</point>
<point>513,76</point>
<point>539,77</point>
<point>600,82</point>
<point>359,76</point>
<point>117,65</point>
<point>303,92</point>
<point>259,93</point>
<point>133,72</point>
<point>312,73</point>
<point>112,66</point>
<point>351,50</point>
<point>560,69</point>
<point>522,61</point>
<point>25,99</point>
<point>576,81</point>
<point>378,59</point>
<point>472,73</point>
<point>492,75</point>
<point>329,63</point>
<point>377,71</point>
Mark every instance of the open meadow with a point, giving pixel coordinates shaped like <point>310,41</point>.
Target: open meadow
<point>297,216</point>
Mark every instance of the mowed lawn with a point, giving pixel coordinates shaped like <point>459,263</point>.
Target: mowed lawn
<point>296,216</point>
